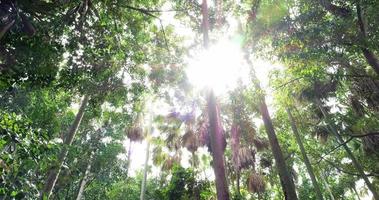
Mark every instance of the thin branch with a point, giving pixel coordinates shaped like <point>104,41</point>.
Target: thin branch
<point>348,172</point>
<point>148,12</point>
<point>288,82</point>
<point>142,10</point>
<point>335,148</point>
<point>363,135</point>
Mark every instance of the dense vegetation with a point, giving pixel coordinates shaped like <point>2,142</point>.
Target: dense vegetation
<point>83,82</point>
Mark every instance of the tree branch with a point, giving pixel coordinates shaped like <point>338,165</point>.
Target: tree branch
<point>330,151</point>
<point>363,135</point>
<point>339,169</point>
<point>334,9</point>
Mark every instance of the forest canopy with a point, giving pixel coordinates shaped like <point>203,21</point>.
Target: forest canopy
<point>189,100</point>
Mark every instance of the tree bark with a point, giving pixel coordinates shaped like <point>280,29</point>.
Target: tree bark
<point>204,11</point>
<point>304,155</point>
<point>216,136</point>
<point>371,58</point>
<point>55,171</point>
<point>334,9</point>
<point>284,175</point>
<point>85,178</point>
<point>129,157</point>
<point>143,184</point>
<point>216,139</point>
<point>348,151</point>
<point>238,183</point>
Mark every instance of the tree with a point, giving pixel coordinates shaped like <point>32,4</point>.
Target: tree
<point>305,157</point>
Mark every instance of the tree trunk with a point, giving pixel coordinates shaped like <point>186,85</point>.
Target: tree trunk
<point>284,175</point>
<point>129,157</point>
<point>85,178</point>
<point>348,151</point>
<point>143,184</point>
<point>305,157</point>
<point>204,11</point>
<point>217,140</point>
<point>55,171</point>
<point>216,136</point>
<point>238,183</point>
<point>371,58</point>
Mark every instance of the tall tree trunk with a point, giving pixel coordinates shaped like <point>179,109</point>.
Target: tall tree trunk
<point>371,58</point>
<point>216,136</point>
<point>55,171</point>
<point>129,157</point>
<point>205,25</point>
<point>238,183</point>
<point>348,151</point>
<point>217,141</point>
<point>85,178</point>
<point>235,146</point>
<point>305,157</point>
<point>285,177</point>
<point>143,184</point>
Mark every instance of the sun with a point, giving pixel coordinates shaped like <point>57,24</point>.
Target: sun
<point>218,68</point>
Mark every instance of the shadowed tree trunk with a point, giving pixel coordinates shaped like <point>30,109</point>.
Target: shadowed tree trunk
<point>85,177</point>
<point>216,139</point>
<point>149,131</point>
<point>355,162</point>
<point>286,180</point>
<point>129,157</point>
<point>342,12</point>
<point>216,136</point>
<point>55,171</point>
<point>304,155</point>
<point>285,177</point>
<point>235,146</point>
<point>371,58</point>
<point>143,184</point>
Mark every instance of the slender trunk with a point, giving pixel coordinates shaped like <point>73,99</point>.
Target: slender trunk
<point>235,146</point>
<point>204,11</point>
<point>286,181</point>
<point>285,177</point>
<point>143,184</point>
<point>371,58</point>
<point>334,9</point>
<point>4,29</point>
<point>129,157</point>
<point>348,151</point>
<point>327,187</point>
<point>238,183</point>
<point>216,136</point>
<point>305,157</point>
<point>216,139</point>
<point>85,178</point>
<point>55,171</point>
<point>193,160</point>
